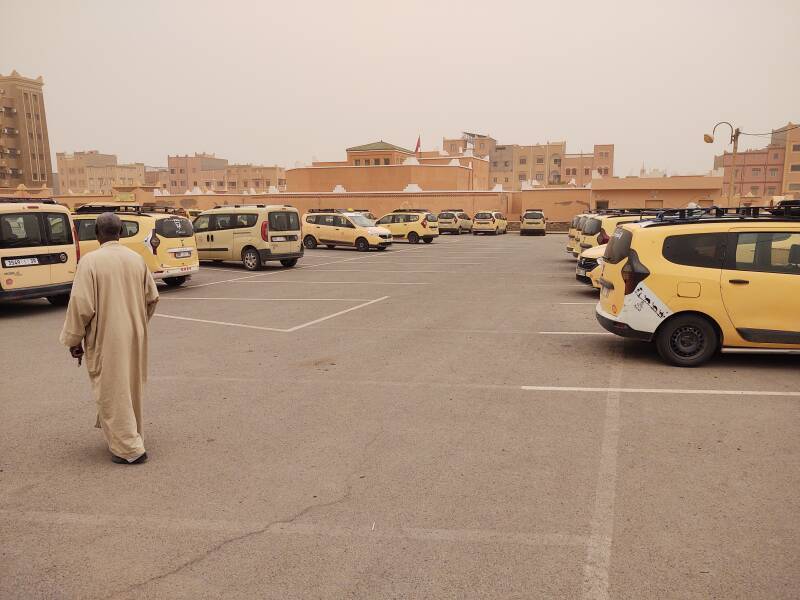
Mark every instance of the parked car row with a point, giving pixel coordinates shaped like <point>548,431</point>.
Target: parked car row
<point>696,281</point>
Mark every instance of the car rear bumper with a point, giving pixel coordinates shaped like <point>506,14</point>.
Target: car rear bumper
<point>619,328</point>
<point>176,271</point>
<point>266,255</point>
<point>41,291</point>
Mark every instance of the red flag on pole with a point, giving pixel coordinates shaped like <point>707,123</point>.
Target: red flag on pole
<point>417,147</point>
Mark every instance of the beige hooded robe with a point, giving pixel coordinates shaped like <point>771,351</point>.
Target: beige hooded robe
<point>113,298</point>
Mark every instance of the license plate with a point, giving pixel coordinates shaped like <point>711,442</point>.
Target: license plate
<point>21,262</point>
<point>183,254</point>
<point>278,238</point>
<point>581,272</point>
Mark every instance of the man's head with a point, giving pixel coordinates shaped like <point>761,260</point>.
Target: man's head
<point>107,227</point>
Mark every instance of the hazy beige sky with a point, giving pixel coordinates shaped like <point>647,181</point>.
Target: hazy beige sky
<point>281,82</point>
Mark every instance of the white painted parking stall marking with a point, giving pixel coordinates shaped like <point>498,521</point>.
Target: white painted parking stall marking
<point>272,299</point>
<point>574,332</point>
<point>578,303</point>
<point>279,330</point>
<point>347,282</point>
<point>622,390</point>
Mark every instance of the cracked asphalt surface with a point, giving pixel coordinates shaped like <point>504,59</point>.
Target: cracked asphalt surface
<point>391,452</point>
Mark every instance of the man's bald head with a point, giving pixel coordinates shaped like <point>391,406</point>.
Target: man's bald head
<point>108,227</point>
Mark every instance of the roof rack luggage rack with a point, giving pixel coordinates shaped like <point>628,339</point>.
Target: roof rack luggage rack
<point>784,212</point>
<point>17,200</point>
<point>137,209</point>
<point>453,210</point>
<point>402,210</point>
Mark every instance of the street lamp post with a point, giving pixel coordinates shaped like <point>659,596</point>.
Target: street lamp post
<point>735,132</point>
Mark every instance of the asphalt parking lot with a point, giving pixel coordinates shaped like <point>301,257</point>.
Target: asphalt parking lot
<point>434,421</point>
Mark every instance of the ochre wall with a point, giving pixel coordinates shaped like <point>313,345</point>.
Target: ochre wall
<point>378,178</point>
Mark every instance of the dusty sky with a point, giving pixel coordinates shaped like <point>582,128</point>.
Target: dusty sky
<point>282,82</point>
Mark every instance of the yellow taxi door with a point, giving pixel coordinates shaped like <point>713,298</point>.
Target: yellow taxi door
<point>761,284</point>
<point>221,237</point>
<point>61,247</point>
<point>25,260</point>
<point>202,236</point>
<point>347,231</point>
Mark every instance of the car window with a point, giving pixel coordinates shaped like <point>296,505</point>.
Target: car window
<point>175,227</point>
<point>483,215</point>
<point>18,230</point>
<point>285,220</point>
<point>768,251</point>
<point>696,249</point>
<point>246,220</point>
<point>411,218</point>
<point>201,223</point>
<point>86,230</point>
<point>222,222</point>
<point>464,216</point>
<point>447,215</point>
<point>327,220</point>
<point>432,218</point>
<point>385,220</point>
<point>533,215</point>
<point>129,229</point>
<point>59,232</point>
<point>311,219</point>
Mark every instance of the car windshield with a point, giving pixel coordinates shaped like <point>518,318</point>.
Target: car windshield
<point>361,220</point>
<point>533,215</point>
<point>447,215</point>
<point>592,226</point>
<point>483,215</point>
<point>19,230</point>
<point>286,220</point>
<point>174,227</point>
<point>432,218</point>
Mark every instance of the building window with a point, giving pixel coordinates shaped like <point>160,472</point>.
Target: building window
<point>35,177</point>
<point>775,156</point>
<point>495,180</point>
<point>771,190</point>
<point>523,160</point>
<point>256,183</point>
<point>494,163</point>
<point>220,184</point>
<point>173,183</point>
<point>540,160</point>
<point>172,171</point>
<point>366,161</point>
<point>183,183</point>
<point>773,172</point>
<point>506,179</point>
<point>358,162</point>
<point>506,164</point>
<point>231,185</point>
<point>522,176</point>
<point>557,162</point>
<point>754,190</point>
<point>795,147</point>
<point>207,184</point>
<point>794,186</point>
<point>586,171</point>
<point>386,161</point>
<point>602,204</point>
<point>605,171</point>
<point>756,172</point>
<point>180,170</point>
<point>795,168</point>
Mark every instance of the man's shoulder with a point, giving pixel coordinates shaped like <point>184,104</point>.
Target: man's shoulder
<point>119,250</point>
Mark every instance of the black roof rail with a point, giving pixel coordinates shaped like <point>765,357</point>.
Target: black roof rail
<point>17,200</point>
<point>453,210</point>
<point>402,210</point>
<point>96,209</point>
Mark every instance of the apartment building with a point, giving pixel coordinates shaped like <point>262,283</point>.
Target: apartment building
<point>765,172</point>
<point>207,173</point>
<point>24,143</point>
<point>516,166</point>
<point>95,173</point>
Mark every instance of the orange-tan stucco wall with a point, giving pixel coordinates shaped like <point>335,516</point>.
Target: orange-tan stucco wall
<point>379,178</point>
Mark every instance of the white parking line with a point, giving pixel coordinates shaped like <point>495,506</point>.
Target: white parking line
<point>574,333</point>
<point>622,390</point>
<point>578,303</point>
<point>280,330</point>
<point>270,299</point>
<point>347,282</point>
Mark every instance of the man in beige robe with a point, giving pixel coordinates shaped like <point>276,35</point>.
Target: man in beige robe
<point>113,298</point>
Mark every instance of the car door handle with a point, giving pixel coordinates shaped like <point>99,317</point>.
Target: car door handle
<point>738,281</point>
<point>212,237</point>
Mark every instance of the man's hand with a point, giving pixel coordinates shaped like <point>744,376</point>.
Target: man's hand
<point>77,352</point>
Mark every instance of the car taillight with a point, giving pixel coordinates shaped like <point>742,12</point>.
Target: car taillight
<point>265,231</point>
<point>154,241</point>
<point>77,243</point>
<point>492,219</point>
<point>602,237</point>
<point>634,272</point>
<point>425,222</point>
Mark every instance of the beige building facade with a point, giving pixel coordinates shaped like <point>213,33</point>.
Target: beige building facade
<point>91,172</point>
<point>516,167</point>
<point>24,142</point>
<point>207,173</point>
<point>384,167</point>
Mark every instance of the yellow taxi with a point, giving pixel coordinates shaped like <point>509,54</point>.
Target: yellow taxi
<point>697,281</point>
<point>532,222</point>
<point>251,233</point>
<point>489,221</point>
<point>411,224</point>
<point>39,250</point>
<point>339,227</point>
<point>597,229</point>
<point>454,220</point>
<point>589,266</point>
<point>164,239</point>
<point>574,231</point>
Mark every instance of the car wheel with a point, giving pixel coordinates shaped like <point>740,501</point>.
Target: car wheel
<point>413,237</point>
<point>474,233</point>
<point>251,259</point>
<point>175,281</point>
<point>310,242</point>
<point>289,262</point>
<point>362,245</point>
<point>330,246</point>
<point>497,231</point>
<point>60,300</point>
<point>427,240</point>
<point>382,248</point>
<point>687,341</point>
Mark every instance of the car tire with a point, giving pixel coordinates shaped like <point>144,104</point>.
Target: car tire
<point>60,300</point>
<point>427,240</point>
<point>362,245</point>
<point>474,233</point>
<point>251,259</point>
<point>687,341</point>
<point>413,237</point>
<point>330,246</point>
<point>175,281</point>
<point>289,262</point>
<point>382,248</point>
<point>310,242</point>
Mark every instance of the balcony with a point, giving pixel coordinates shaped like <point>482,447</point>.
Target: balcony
<point>15,173</point>
<point>9,131</point>
<point>8,110</point>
